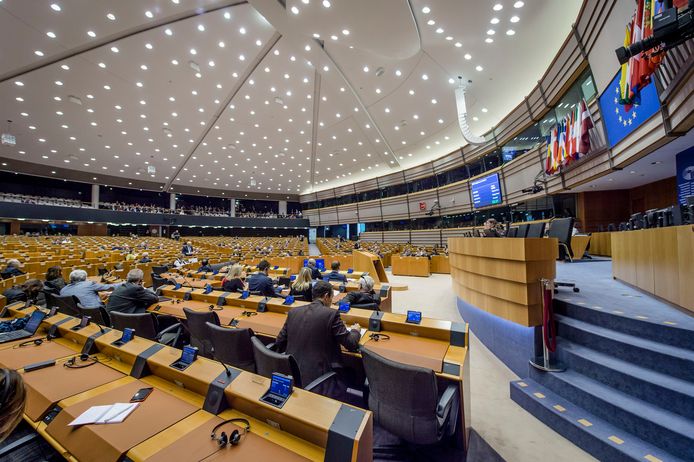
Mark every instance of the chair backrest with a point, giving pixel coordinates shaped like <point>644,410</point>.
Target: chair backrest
<point>66,304</point>
<point>98,315</point>
<point>157,281</point>
<point>562,229</point>
<point>403,398</point>
<point>536,230</point>
<point>232,346</point>
<point>512,231</point>
<point>145,324</point>
<point>522,230</point>
<point>196,322</point>
<point>159,269</point>
<point>268,361</point>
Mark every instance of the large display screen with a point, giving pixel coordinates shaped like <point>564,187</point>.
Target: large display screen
<point>486,191</point>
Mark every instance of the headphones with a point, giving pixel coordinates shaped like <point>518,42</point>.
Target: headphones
<point>376,337</point>
<point>235,437</point>
<point>249,313</point>
<point>215,308</point>
<point>35,342</point>
<point>71,363</point>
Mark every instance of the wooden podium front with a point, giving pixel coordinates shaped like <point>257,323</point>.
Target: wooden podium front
<point>371,263</point>
<point>502,276</point>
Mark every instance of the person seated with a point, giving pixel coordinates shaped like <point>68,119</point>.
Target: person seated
<point>366,293</point>
<point>313,334</point>
<point>86,291</point>
<point>206,267</point>
<point>13,398</point>
<point>180,262</point>
<point>260,282</point>
<point>187,249</point>
<point>335,275</point>
<point>302,284</point>
<point>490,228</point>
<point>130,255</point>
<point>145,258</point>
<point>131,297</point>
<point>12,269</point>
<point>54,279</point>
<point>31,292</point>
<point>233,281</point>
<point>315,272</point>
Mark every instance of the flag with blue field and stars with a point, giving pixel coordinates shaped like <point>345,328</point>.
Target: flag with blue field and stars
<point>619,122</point>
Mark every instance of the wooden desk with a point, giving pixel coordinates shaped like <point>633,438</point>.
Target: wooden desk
<point>601,244</point>
<point>658,261</point>
<point>193,282</point>
<point>502,276</point>
<point>410,266</point>
<point>371,263</point>
<point>579,244</point>
<point>440,264</point>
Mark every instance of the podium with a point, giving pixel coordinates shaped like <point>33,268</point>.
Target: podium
<point>370,263</point>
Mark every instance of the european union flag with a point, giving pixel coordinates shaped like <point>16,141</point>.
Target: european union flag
<point>618,122</point>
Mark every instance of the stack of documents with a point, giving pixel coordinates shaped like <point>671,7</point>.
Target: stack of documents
<point>111,413</point>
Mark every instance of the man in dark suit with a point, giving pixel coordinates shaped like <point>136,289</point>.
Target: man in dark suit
<point>260,282</point>
<point>335,275</point>
<point>315,272</point>
<point>12,269</point>
<point>313,335</point>
<point>131,297</point>
<point>187,249</point>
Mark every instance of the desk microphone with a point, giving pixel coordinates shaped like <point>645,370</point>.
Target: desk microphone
<point>226,368</point>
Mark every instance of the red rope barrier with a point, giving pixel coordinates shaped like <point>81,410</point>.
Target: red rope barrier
<point>550,329</point>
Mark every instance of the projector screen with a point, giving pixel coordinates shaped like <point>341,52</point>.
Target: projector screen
<point>486,191</point>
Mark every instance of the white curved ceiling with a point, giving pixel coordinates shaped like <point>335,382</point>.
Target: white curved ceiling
<point>257,96</point>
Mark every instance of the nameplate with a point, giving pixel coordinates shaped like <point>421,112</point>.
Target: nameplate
<point>375,321</point>
<point>215,401</point>
<point>89,347</point>
<point>262,305</point>
<point>343,433</point>
<point>187,295</point>
<point>222,300</point>
<point>384,290</point>
<point>53,330</point>
<point>458,334</point>
<point>140,368</point>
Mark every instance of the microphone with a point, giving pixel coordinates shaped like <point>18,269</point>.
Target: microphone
<point>226,368</point>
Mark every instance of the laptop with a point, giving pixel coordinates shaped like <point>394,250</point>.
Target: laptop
<point>29,329</point>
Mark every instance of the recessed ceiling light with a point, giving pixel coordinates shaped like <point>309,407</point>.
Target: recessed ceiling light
<point>38,53</point>
<point>201,28</point>
<point>295,10</point>
<point>111,16</point>
<point>475,118</point>
<point>498,7</point>
<point>174,62</point>
<point>411,92</point>
<point>50,34</point>
<point>55,7</point>
<point>484,109</point>
<point>514,19</point>
<point>65,67</point>
<point>458,44</point>
<point>193,51</point>
<point>59,83</point>
<point>91,33</point>
<point>479,68</point>
<point>227,15</point>
<point>510,32</point>
<point>494,21</point>
<point>491,32</point>
<point>451,81</point>
<point>518,4</point>
<point>143,67</point>
<point>439,30</point>
<point>148,46</point>
<point>345,31</point>
<point>431,22</point>
<point>489,40</point>
<point>426,10</point>
<point>107,87</point>
<point>366,69</point>
<point>326,4</point>
<point>242,30</point>
<point>433,101</point>
<point>242,58</point>
<point>149,14</point>
<point>425,77</point>
<point>18,83</point>
<point>114,49</point>
<point>168,32</point>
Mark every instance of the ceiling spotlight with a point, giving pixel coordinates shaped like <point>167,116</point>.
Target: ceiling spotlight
<point>50,34</point>
<point>518,5</point>
<point>458,44</point>
<point>168,32</point>
<point>38,53</point>
<point>148,46</point>
<point>295,10</point>
<point>439,30</point>
<point>479,68</point>
<point>114,49</point>
<point>193,51</point>
<point>326,4</point>
<point>467,56</point>
<point>91,33</point>
<point>425,77</point>
<point>510,32</point>
<point>484,109</point>
<point>227,15</point>
<point>345,31</point>
<point>18,83</point>
<point>149,14</point>
<point>201,28</point>
<point>55,7</point>
<point>333,37</point>
<point>111,16</point>
<point>489,40</point>
<point>366,68</point>
<point>491,32</point>
<point>494,21</point>
<point>431,22</point>
<point>242,30</point>
<point>426,10</point>
<point>514,19</point>
<point>498,7</point>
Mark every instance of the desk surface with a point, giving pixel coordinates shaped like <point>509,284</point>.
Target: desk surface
<point>408,349</point>
<point>17,358</point>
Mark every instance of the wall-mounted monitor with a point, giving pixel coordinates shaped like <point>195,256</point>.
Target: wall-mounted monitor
<point>486,191</point>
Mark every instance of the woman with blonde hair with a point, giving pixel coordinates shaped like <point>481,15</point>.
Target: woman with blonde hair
<point>12,400</point>
<point>302,285</point>
<point>233,281</point>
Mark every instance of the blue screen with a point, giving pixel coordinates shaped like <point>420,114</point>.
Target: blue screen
<point>414,317</point>
<point>188,355</point>
<point>127,335</point>
<point>281,386</point>
<point>320,263</point>
<point>34,321</point>
<point>344,307</point>
<point>244,294</point>
<point>486,191</point>
<point>289,300</point>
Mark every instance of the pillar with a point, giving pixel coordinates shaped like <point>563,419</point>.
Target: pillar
<point>95,196</point>
<point>232,207</point>
<point>282,206</point>
<point>172,201</point>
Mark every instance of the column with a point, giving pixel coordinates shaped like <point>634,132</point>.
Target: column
<point>172,201</point>
<point>232,207</point>
<point>282,207</point>
<point>95,196</point>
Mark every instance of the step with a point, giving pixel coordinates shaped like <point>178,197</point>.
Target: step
<point>599,438</point>
<point>672,333</point>
<point>670,393</point>
<point>666,359</point>
<point>666,430</point>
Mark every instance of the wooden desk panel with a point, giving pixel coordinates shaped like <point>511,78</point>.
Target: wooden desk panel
<point>600,244</point>
<point>410,266</point>
<point>579,244</point>
<point>440,264</point>
<point>20,357</point>
<point>407,349</point>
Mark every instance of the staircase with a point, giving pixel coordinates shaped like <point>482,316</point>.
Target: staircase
<point>628,391</point>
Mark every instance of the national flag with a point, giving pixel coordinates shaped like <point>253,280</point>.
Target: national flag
<point>551,152</point>
<point>647,66</point>
<point>571,129</point>
<point>562,143</point>
<point>635,61</point>
<point>624,77</point>
<point>586,123</point>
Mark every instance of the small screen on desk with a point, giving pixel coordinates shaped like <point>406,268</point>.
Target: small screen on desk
<point>281,385</point>
<point>189,354</point>
<point>414,317</point>
<point>128,334</point>
<point>343,307</point>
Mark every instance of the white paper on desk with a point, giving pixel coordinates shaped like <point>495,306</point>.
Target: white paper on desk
<point>362,331</point>
<point>111,413</point>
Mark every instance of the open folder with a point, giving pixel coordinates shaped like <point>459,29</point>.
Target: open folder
<point>111,413</point>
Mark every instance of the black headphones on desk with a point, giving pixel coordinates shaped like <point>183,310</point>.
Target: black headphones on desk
<point>215,308</point>
<point>235,438</point>
<point>71,363</point>
<point>376,337</point>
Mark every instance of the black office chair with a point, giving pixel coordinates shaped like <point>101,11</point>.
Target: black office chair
<point>522,230</point>
<point>98,314</point>
<point>512,231</point>
<point>196,323</point>
<point>536,230</point>
<point>160,269</point>
<point>158,281</point>
<point>146,325</point>
<point>66,304</point>
<point>562,229</point>
<point>268,361</point>
<point>405,400</point>
<point>232,346</point>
